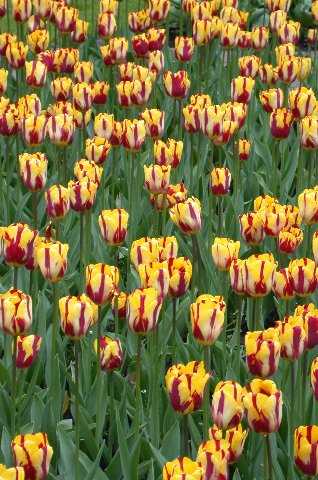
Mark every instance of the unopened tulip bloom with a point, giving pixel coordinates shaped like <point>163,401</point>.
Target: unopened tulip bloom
<point>134,134</point>
<point>280,122</point>
<point>111,353</point>
<point>33,452</point>
<point>82,96</point>
<point>213,461</point>
<point>16,53</point>
<point>154,120</point>
<point>12,473</point>
<point>87,169</point>
<point>51,257</point>
<point>143,309</point>
<point>97,149</point>
<point>65,59</point>
<point>106,25</point>
<point>224,251</point>
<point>104,125</point>
<point>309,132</point>
<point>237,273</point>
<point>312,36</point>
<point>263,403</point>
<point>315,246</point>
<point>187,216</point>
<point>244,39</point>
<point>202,31</point>
<point>268,74</point>
<point>183,48</point>
<point>289,32</point>
<point>156,62</point>
<point>159,9</point>
<point>292,337</point>
<point>145,250</point>
<point>167,248</point>
<point>272,99</point>
<point>18,244</point>
<point>314,377</point>
<point>288,69</point>
<point>3,80</point>
<point>61,129</point>
<point>302,102</point>
<point>33,129</point>
<point>180,271</point>
<point>308,206</point>
<point>181,467</point>
<point>109,6</point>
<point>42,7</point>
<point>244,149</point>
<point>155,275</point>
<point>141,91</point>
<point>157,178</point>
<point>21,10</point>
<point>33,170</point>
<point>169,152</point>
<point>282,284</point>
<point>311,326</point>
<point>15,312</point>
<point>38,40</point>
<point>234,441</point>
<point>176,84</point>
<point>227,404</point>
<point>262,352</point>
<point>241,89</point>
<point>113,225</point>
<point>277,19</point>
<point>101,282</point>
<point>289,239</point>
<point>82,194</point>
<point>274,219</point>
<point>252,228</point>
<point>185,385</point>
<point>220,181</point>
<point>229,34</point>
<point>207,318</point>
<point>100,91</point>
<point>249,66</point>
<point>80,32</point>
<point>260,36</point>
<point>61,88</point>
<point>304,276</point>
<point>119,304</point>
<point>36,73</point>
<point>28,348</point>
<point>258,274</point>
<point>57,199</point>
<point>306,448</point>
<point>274,5</point>
<point>77,315</point>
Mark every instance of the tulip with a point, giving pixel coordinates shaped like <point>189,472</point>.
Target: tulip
<point>185,385</point>
<point>176,84</point>
<point>3,80</point>
<point>183,48</point>
<point>101,282</point>
<point>262,352</point>
<point>224,251</point>
<point>33,129</point>
<point>277,19</point>
<point>260,36</point>
<point>280,122</point>
<point>249,66</point>
<point>220,181</point>
<point>82,194</point>
<point>113,225</point>
<point>314,377</point>
<point>35,22</point>
<point>156,62</point>
<point>97,150</point>
<point>80,32</point>
<point>181,467</point>
<point>268,74</point>
<point>16,53</point>
<point>229,35</point>
<point>119,304</point>
<point>227,405</point>
<point>65,59</point>
<point>302,102</point>
<point>304,68</point>
<point>258,274</point>
<point>312,36</point>
<point>51,257</point>
<point>33,170</point>
<point>28,348</point>
<point>228,14</point>
<point>61,129</point>
<point>207,318</point>
<point>288,69</point>
<point>241,89</point>
<point>252,228</point>
<point>167,248</point>
<point>315,246</point>
<point>272,99</point>
<point>38,40</point>
<point>213,461</point>
<point>86,169</point>
<point>134,134</point>
<point>308,206</point>
<point>187,216</point>
<point>168,153</point>
<point>82,96</point>
<point>237,272</point>
<point>33,452</point>
<point>77,315</point>
<point>106,25</point>
<point>290,239</point>
<point>5,39</point>
<point>143,309</point>
<point>139,21</point>
<point>141,91</point>
<point>15,312</point>
<point>180,271</point>
<point>157,178</point>
<point>311,326</point>
<point>154,121</point>
<point>289,32</point>
<point>306,449</point>
<point>18,244</point>
<point>42,7</point>
<point>304,276</point>
<point>159,9</point>
<point>202,31</point>
<point>274,219</point>
<point>244,149</point>
<point>274,5</point>
<point>156,38</point>
<point>111,354</point>
<point>57,199</point>
<point>61,88</point>
<point>109,6</point>
<point>292,337</point>
<point>155,275</point>
<point>144,251</point>
<point>263,403</point>
<point>65,18</point>
<point>234,441</point>
<point>282,284</point>
<point>13,473</point>
<point>36,73</point>
<point>21,10</point>
<point>104,125</point>
<point>100,92</point>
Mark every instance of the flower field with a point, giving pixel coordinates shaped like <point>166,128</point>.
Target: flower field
<point>158,239</point>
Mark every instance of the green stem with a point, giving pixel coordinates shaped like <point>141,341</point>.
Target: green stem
<point>220,215</point>
<point>138,384</point>
<point>77,422</point>
<point>14,385</point>
<point>269,458</point>
<point>300,171</point>
<point>15,277</point>
<point>206,400</point>
<point>35,209</point>
<point>303,390</point>
<point>98,430</point>
<point>82,245</point>
<point>54,329</point>
<point>155,389</point>
<point>184,437</point>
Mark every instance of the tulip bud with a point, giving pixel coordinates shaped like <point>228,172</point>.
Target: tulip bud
<point>237,274</point>
<point>156,62</point>
<point>280,122</point>
<point>168,153</point>
<point>36,73</point>
<point>244,149</point>
<point>65,59</point>
<point>310,315</point>
<point>28,348</point>
<point>227,405</point>
<point>252,228</point>
<point>18,243</point>
<point>277,19</point>
<point>86,169</point>
<point>113,225</point>
<point>304,276</point>
<point>309,132</point>
<point>3,80</point>
<point>183,48</point>
<point>249,66</point>
<point>82,96</point>
<point>224,251</point>
<point>61,88</point>
<point>33,129</point>
<point>65,18</point>
<point>314,377</point>
<point>80,32</point>
<point>144,251</point>
<point>290,239</point>
<point>103,125</point>
<point>229,34</point>
<point>134,134</point>
<point>260,36</point>
<point>241,89</point>
<point>176,84</point>
<point>111,354</point>
<point>82,194</point>
<point>272,99</point>
<point>15,312</point>
<point>157,178</point>
<point>312,36</point>
<point>51,257</point>
<point>61,129</point>
<point>16,53</point>
<point>202,31</point>
<point>21,10</point>
<point>155,275</point>
<point>42,7</point>
<point>185,385</point>
<point>101,282</point>
<point>38,40</point>
<point>13,473</point>
<point>154,121</point>
<point>292,337</point>
<point>33,170</point>
<point>33,452</point>
<point>288,69</point>
<point>187,216</point>
<point>77,315</point>
<point>57,199</point>
<point>282,284</point>
<point>302,102</point>
<point>289,32</point>
<point>263,403</point>
<point>258,274</point>
<point>119,304</point>
<point>181,467</point>
<point>207,318</point>
<point>109,6</point>
<point>262,352</point>
<point>268,74</point>
<point>305,448</point>
<point>180,272</point>
<point>308,206</point>
<point>304,68</point>
<point>213,461</point>
<point>315,246</point>
<point>97,150</point>
<point>234,441</point>
<point>143,309</point>
<point>100,92</point>
<point>106,25</point>
<point>220,181</point>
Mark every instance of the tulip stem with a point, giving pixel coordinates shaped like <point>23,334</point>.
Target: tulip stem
<point>98,430</point>
<point>300,171</point>
<point>138,383</point>
<point>206,404</point>
<point>269,458</point>
<point>82,249</point>
<point>14,384</point>
<point>35,209</point>
<point>54,330</point>
<point>77,422</point>
<point>184,436</point>
<point>15,277</point>
<point>303,390</point>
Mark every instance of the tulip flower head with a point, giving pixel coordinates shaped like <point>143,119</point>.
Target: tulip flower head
<point>77,315</point>
<point>303,276</point>
<point>227,404</point>
<point>33,452</point>
<point>207,318</point>
<point>101,282</point>
<point>28,348</point>
<point>15,312</point>
<point>224,251</point>
<point>292,337</point>
<point>262,352</point>
<point>113,225</point>
<point>306,449</point>
<point>143,309</point>
<point>111,353</point>
<point>57,199</point>
<point>182,467</point>
<point>187,216</point>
